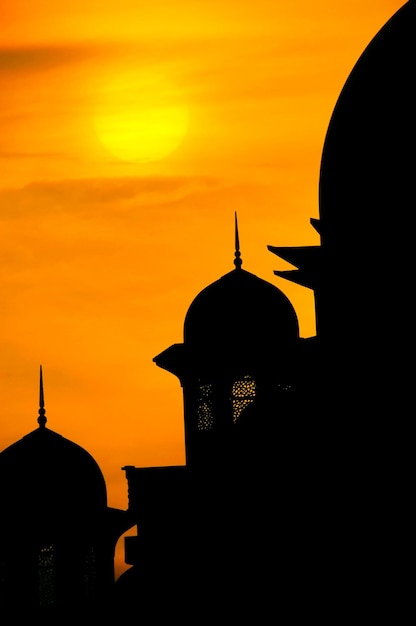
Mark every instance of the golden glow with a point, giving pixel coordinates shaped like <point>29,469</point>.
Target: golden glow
<point>101,257</point>
<point>140,117</point>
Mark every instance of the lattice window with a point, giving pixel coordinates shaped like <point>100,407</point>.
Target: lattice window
<point>46,575</point>
<point>243,393</point>
<point>204,409</point>
<point>90,573</point>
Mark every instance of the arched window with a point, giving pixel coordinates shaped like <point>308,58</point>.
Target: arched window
<point>204,408</point>
<point>46,575</point>
<point>90,574</point>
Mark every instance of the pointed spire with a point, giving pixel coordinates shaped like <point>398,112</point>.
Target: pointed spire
<point>41,419</point>
<point>237,261</point>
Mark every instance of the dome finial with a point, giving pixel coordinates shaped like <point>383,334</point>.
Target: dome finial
<point>41,419</point>
<point>237,261</point>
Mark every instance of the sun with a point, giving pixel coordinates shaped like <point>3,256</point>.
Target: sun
<point>140,116</point>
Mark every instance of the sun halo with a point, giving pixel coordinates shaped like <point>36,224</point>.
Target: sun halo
<point>140,117</point>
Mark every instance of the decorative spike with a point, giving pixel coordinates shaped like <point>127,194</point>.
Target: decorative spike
<point>41,419</point>
<point>237,261</point>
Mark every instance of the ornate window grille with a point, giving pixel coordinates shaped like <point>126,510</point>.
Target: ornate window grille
<point>46,575</point>
<point>204,408</point>
<point>243,394</point>
<point>90,574</point>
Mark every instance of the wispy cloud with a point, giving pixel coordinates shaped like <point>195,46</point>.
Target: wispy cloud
<point>39,58</point>
<point>92,196</point>
<point>32,155</point>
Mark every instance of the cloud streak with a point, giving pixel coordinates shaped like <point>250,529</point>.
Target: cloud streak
<point>96,196</point>
<point>24,59</point>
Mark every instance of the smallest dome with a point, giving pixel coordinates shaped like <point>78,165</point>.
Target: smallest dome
<point>48,474</point>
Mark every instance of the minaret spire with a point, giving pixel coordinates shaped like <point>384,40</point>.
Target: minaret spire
<point>41,419</point>
<point>237,260</point>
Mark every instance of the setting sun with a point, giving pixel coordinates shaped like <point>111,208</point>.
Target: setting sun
<point>140,117</point>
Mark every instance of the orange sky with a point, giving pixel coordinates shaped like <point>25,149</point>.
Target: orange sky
<point>100,258</point>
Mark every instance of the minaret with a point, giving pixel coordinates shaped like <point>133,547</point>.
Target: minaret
<point>230,330</point>
<point>57,534</point>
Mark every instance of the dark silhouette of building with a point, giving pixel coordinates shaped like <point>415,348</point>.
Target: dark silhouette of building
<point>57,535</point>
<point>361,277</point>
<point>311,481</point>
<point>293,498</point>
<point>211,527</point>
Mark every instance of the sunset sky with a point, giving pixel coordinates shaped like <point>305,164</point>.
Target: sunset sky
<point>130,132</point>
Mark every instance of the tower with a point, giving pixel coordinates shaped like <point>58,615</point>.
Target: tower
<point>57,535</point>
<point>237,365</point>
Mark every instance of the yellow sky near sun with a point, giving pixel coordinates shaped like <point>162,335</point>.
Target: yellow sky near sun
<point>100,258</point>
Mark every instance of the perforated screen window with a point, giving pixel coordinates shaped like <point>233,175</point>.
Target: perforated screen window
<point>243,393</point>
<point>205,418</point>
<point>46,575</point>
<point>90,574</point>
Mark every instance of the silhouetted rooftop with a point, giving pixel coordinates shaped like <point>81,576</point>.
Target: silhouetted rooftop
<point>49,474</point>
<point>242,309</point>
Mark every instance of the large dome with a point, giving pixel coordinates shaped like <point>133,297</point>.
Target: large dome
<point>367,190</point>
<point>52,479</point>
<point>240,311</point>
<point>367,200</point>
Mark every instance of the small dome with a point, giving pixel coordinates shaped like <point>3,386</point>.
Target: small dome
<point>242,312</point>
<point>51,478</point>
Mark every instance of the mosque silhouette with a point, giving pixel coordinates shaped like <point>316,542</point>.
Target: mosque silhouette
<point>292,498</point>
